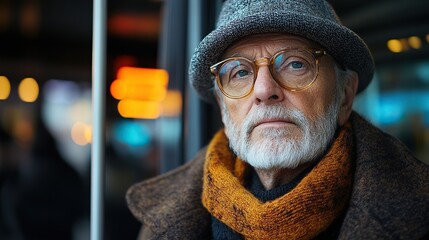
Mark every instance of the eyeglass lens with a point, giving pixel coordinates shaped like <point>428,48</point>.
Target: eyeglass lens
<point>292,69</point>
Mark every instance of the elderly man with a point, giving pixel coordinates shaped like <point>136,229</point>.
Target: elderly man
<point>294,161</point>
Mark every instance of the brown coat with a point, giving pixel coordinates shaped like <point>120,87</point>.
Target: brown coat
<point>390,197</point>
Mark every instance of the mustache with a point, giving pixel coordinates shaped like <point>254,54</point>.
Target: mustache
<point>277,112</point>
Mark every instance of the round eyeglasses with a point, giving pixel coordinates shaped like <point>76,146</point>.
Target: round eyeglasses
<point>293,69</point>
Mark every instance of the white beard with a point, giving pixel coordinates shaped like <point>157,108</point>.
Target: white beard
<point>276,147</point>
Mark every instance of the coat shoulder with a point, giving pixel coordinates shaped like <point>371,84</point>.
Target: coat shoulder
<point>391,187</point>
<point>171,203</point>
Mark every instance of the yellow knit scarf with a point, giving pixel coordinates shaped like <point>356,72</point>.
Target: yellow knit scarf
<point>302,213</point>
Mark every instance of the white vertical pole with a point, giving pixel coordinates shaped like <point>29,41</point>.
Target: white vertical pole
<point>193,119</point>
<point>98,106</point>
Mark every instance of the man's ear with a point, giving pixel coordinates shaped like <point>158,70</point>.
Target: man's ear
<point>346,106</point>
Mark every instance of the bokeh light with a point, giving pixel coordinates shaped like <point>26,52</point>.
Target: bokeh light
<point>28,90</point>
<point>130,108</point>
<point>140,83</point>
<point>81,133</point>
<point>395,45</point>
<point>415,42</point>
<point>172,104</point>
<point>4,88</point>
<point>121,89</point>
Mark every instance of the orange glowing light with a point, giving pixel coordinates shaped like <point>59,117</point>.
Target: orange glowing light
<point>415,42</point>
<point>172,105</point>
<point>4,88</point>
<point>147,25</point>
<point>28,90</point>
<point>87,133</point>
<point>395,45</point>
<point>123,88</point>
<point>140,83</point>
<point>23,131</point>
<point>144,76</point>
<point>81,133</point>
<point>130,108</point>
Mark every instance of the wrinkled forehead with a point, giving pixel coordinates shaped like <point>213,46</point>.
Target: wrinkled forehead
<point>271,41</point>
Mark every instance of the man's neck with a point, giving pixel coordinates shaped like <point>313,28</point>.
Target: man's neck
<point>271,178</point>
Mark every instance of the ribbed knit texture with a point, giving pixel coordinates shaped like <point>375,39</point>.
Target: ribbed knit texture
<point>220,231</point>
<point>303,213</point>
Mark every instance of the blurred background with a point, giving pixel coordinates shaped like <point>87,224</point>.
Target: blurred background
<point>154,121</point>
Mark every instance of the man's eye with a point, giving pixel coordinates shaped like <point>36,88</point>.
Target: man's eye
<point>242,73</point>
<point>296,65</point>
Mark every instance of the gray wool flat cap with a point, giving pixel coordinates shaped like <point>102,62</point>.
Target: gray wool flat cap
<point>313,19</point>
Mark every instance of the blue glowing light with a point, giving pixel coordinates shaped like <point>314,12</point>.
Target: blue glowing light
<point>131,133</point>
<point>394,106</point>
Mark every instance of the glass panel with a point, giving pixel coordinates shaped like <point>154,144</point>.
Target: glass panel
<point>45,116</point>
<point>398,102</point>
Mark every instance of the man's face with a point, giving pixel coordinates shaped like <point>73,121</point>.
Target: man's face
<point>273,127</point>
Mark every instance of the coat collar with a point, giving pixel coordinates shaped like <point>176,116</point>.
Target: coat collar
<point>390,197</point>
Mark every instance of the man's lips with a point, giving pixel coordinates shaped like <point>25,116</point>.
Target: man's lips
<point>272,123</point>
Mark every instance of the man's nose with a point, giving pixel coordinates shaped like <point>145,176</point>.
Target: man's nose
<point>266,89</point>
